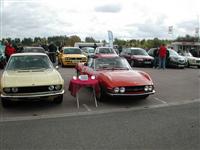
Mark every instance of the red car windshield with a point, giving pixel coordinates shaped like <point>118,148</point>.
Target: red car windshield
<point>111,63</point>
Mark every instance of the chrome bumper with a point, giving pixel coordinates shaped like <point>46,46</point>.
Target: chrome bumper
<point>33,95</point>
<point>122,94</point>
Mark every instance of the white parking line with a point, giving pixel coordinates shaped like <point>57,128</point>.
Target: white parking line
<point>87,107</point>
<point>160,100</point>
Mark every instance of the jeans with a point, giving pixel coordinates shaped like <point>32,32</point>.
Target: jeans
<point>162,61</point>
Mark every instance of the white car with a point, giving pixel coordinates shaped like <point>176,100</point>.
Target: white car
<point>30,76</point>
<point>191,60</point>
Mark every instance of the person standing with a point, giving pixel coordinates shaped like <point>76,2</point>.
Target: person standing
<point>9,50</point>
<point>95,46</point>
<point>162,56</point>
<point>52,52</point>
<point>60,46</point>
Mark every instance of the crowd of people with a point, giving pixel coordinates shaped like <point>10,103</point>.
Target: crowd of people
<point>11,49</point>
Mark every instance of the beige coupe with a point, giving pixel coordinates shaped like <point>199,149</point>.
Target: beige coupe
<point>30,76</point>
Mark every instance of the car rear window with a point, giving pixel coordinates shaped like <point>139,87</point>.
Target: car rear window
<point>72,51</point>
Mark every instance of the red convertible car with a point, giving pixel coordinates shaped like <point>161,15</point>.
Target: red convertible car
<point>117,78</point>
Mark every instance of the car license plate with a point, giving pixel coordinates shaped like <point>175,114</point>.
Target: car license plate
<point>180,65</point>
<point>147,62</point>
<point>75,61</point>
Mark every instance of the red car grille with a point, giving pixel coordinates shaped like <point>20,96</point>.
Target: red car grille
<point>134,89</point>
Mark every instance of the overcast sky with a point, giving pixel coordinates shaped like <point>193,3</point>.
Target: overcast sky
<point>127,19</point>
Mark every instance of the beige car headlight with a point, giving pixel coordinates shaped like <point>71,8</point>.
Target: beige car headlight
<point>58,87</point>
<point>51,88</point>
<point>7,90</point>
<point>14,90</point>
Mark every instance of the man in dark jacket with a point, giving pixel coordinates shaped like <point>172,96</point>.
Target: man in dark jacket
<point>155,55</point>
<point>52,52</point>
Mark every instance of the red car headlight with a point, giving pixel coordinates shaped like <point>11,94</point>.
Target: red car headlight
<point>116,90</point>
<point>122,89</point>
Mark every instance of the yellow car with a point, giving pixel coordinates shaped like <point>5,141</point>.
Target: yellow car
<point>30,76</point>
<point>70,56</point>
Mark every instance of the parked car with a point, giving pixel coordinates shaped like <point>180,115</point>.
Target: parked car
<point>191,60</point>
<point>70,56</point>
<point>117,78</point>
<point>30,76</point>
<point>173,58</point>
<point>105,52</point>
<point>33,50</point>
<point>2,57</point>
<point>88,51</point>
<point>137,57</point>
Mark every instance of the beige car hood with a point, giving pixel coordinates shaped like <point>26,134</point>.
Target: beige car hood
<point>30,78</point>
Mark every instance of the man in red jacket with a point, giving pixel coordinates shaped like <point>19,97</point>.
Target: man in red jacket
<point>9,50</point>
<point>162,56</point>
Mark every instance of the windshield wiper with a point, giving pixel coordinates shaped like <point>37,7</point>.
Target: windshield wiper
<point>104,68</point>
<point>22,70</point>
<point>38,70</point>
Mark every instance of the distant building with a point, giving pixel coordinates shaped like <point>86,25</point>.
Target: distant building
<point>83,44</point>
<point>193,47</point>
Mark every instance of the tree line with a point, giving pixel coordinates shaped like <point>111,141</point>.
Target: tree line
<point>69,41</point>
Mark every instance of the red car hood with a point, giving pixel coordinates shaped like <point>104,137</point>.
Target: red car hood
<point>123,78</point>
<point>142,57</point>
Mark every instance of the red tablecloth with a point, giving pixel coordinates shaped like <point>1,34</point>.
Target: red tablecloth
<point>75,85</point>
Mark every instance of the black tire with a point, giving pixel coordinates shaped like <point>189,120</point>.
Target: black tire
<point>198,66</point>
<point>58,100</point>
<point>5,102</point>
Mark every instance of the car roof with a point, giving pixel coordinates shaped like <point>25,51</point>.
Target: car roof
<point>33,47</point>
<point>31,54</point>
<point>105,47</point>
<point>135,48</point>
<point>71,47</point>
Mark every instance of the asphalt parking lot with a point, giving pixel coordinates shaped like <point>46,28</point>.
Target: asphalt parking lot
<point>171,85</point>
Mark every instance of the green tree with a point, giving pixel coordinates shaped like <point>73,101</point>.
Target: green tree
<point>27,41</point>
<point>72,40</point>
<point>90,39</point>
